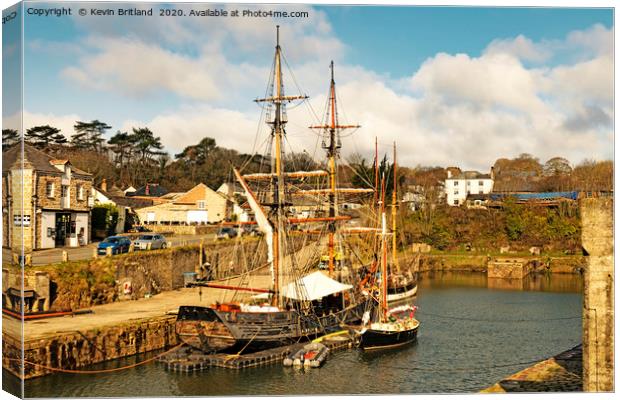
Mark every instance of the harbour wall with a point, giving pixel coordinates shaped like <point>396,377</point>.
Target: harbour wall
<point>480,263</point>
<point>75,350</point>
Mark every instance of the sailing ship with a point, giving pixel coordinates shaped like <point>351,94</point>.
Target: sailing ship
<point>402,285</point>
<point>302,302</point>
<point>384,327</point>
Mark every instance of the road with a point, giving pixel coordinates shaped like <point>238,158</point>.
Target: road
<point>51,256</point>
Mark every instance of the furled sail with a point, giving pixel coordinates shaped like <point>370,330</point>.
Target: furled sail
<point>261,219</point>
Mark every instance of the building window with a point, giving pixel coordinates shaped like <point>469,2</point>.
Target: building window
<point>456,192</point>
<point>21,220</point>
<point>480,183</point>
<point>49,189</point>
<point>480,191</point>
<point>456,183</point>
<point>468,183</point>
<point>80,192</point>
<point>64,191</point>
<point>201,204</point>
<point>456,202</point>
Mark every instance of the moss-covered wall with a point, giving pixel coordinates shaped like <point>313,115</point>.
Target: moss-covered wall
<point>74,351</point>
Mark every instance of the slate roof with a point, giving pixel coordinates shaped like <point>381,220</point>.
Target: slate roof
<point>41,161</point>
<point>155,190</point>
<point>471,175</point>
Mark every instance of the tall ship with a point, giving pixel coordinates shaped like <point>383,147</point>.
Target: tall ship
<point>312,289</point>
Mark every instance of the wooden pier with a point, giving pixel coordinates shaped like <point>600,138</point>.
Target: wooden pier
<point>188,359</point>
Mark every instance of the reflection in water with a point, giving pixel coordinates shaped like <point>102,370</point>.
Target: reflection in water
<point>455,351</point>
<point>571,283</point>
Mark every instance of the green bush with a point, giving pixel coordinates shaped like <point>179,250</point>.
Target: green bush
<point>104,217</point>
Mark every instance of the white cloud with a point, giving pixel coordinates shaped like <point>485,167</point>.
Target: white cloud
<point>456,109</point>
<point>520,47</point>
<point>187,126</point>
<point>63,122</point>
<point>194,60</point>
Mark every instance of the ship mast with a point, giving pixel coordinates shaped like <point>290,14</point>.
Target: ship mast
<point>394,201</point>
<point>384,272</point>
<point>331,153</point>
<point>333,149</point>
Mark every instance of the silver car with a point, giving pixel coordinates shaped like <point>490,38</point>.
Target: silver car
<point>155,241</point>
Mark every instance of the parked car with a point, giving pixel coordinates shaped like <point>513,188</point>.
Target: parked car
<point>155,240</point>
<point>251,230</point>
<point>119,244</point>
<point>139,228</point>
<point>226,233</point>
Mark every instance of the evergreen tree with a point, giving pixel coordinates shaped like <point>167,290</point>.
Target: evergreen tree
<point>9,138</point>
<point>44,135</point>
<point>89,135</point>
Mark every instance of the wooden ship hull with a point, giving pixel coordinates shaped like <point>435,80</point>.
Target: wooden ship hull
<point>211,330</point>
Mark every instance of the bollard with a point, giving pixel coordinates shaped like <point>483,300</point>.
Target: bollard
<point>95,252</point>
<point>168,244</point>
<point>148,246</point>
<point>65,256</point>
<point>108,251</point>
<point>131,247</point>
<point>200,255</point>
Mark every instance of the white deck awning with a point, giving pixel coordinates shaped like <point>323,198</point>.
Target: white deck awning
<point>311,287</point>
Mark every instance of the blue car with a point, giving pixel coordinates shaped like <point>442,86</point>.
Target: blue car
<point>119,244</point>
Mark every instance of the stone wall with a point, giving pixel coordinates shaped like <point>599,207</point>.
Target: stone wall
<point>598,299</point>
<point>156,271</point>
<point>182,229</point>
<point>477,263</point>
<point>81,284</point>
<point>76,350</point>
<point>509,268</point>
<point>453,263</point>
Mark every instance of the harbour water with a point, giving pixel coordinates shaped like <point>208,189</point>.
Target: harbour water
<point>473,333</point>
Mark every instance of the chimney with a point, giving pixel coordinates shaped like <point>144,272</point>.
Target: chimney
<point>492,173</point>
<point>104,185</point>
<point>449,174</point>
<point>146,189</point>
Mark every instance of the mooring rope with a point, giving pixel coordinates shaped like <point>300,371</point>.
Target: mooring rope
<point>100,371</point>
<point>496,320</point>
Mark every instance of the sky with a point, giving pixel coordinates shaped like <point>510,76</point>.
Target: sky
<point>452,86</point>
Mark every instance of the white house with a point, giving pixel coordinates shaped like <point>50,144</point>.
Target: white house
<point>457,187</point>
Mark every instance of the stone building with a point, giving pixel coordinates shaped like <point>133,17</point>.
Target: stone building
<point>46,202</point>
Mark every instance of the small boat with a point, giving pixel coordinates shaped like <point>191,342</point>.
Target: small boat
<point>311,355</point>
<point>400,329</point>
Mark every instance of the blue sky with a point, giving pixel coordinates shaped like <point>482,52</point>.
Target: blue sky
<point>429,30</point>
<point>451,85</point>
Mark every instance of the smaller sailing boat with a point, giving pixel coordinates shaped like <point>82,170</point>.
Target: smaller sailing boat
<point>401,285</point>
<point>391,327</point>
